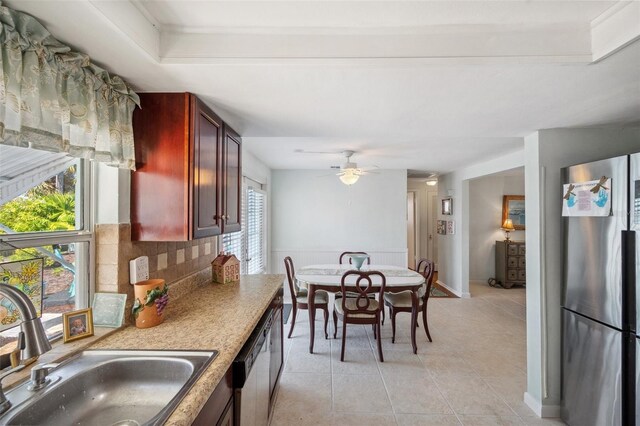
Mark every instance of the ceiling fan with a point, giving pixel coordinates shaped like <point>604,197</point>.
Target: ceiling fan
<point>349,171</point>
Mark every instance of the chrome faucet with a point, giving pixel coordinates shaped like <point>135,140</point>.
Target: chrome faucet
<point>32,341</point>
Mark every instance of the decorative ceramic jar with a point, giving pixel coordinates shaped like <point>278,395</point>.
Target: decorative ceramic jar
<point>358,259</point>
<point>150,299</point>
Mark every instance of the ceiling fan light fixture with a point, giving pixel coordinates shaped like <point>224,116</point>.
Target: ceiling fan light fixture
<point>349,177</point>
<point>432,182</point>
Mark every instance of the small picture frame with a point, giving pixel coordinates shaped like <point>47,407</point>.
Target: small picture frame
<point>77,324</point>
<point>108,309</point>
<point>447,206</point>
<point>451,227</point>
<point>442,227</point>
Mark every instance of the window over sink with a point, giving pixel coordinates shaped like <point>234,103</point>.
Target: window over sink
<point>44,230</point>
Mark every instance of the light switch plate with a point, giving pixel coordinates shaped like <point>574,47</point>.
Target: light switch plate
<point>138,269</point>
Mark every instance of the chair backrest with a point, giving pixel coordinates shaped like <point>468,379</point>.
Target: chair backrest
<point>427,273</point>
<point>291,276</point>
<point>347,253</point>
<point>358,301</point>
<point>422,263</point>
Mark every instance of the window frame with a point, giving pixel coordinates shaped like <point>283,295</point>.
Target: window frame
<point>256,186</point>
<point>86,178</point>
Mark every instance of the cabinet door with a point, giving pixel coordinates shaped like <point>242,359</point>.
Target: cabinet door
<point>232,193</point>
<point>206,144</point>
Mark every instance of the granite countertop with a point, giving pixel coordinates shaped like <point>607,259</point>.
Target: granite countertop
<point>203,316</point>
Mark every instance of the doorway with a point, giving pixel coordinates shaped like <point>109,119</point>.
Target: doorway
<point>412,230</point>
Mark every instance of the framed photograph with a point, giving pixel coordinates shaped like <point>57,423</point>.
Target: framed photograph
<point>447,206</point>
<point>451,227</point>
<point>442,227</point>
<point>108,309</point>
<point>513,208</point>
<point>77,324</point>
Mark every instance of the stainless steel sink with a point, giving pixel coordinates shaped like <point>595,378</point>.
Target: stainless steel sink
<point>109,388</point>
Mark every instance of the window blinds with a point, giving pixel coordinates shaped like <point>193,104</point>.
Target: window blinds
<point>248,244</point>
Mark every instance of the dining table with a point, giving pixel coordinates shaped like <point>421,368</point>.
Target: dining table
<point>328,277</point>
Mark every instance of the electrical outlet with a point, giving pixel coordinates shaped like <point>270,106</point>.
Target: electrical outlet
<point>138,269</point>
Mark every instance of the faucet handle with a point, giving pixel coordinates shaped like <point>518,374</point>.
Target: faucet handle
<point>14,356</point>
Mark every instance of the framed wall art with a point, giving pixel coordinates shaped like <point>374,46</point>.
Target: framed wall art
<point>447,206</point>
<point>513,208</point>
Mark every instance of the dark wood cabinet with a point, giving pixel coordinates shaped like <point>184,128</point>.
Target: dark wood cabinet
<point>188,179</point>
<point>511,263</point>
<point>206,141</point>
<point>276,360</point>
<point>218,410</point>
<point>232,180</point>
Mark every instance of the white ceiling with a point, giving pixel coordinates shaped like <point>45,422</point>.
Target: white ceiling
<point>418,85</point>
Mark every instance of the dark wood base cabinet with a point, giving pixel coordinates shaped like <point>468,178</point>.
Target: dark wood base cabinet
<point>218,410</point>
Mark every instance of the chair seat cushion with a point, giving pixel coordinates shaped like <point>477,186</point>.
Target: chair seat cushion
<point>321,297</point>
<point>400,300</point>
<point>351,304</point>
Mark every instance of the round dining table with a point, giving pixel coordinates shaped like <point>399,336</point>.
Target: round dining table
<point>328,277</point>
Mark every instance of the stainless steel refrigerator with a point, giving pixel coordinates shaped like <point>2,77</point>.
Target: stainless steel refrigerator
<point>601,343</point>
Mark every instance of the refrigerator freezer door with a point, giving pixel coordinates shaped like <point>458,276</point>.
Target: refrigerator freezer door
<point>593,262</point>
<point>591,372</point>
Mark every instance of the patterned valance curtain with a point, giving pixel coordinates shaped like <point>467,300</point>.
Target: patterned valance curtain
<point>55,99</point>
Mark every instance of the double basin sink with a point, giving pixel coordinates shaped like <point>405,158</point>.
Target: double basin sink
<point>104,387</point>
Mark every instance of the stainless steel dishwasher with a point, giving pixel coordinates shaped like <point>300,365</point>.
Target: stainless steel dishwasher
<point>251,376</point>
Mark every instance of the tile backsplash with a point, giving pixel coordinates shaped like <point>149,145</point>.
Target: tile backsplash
<point>170,261</point>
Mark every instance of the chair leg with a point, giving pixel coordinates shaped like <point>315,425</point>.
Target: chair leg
<point>379,344</point>
<point>426,324</point>
<point>375,330</point>
<point>326,321</point>
<point>383,314</point>
<point>344,339</point>
<point>335,324</point>
<point>293,321</point>
<point>392,314</point>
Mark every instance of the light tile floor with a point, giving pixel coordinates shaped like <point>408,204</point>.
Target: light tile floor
<point>473,373</point>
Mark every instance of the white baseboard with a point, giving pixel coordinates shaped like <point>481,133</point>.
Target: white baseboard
<point>463,295</point>
<point>544,411</point>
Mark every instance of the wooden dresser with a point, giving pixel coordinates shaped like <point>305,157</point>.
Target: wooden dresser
<point>511,263</point>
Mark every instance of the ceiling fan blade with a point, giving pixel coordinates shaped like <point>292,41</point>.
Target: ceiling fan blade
<point>302,151</point>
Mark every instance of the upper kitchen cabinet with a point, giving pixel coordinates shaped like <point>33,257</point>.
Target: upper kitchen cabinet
<point>186,175</point>
<point>232,197</point>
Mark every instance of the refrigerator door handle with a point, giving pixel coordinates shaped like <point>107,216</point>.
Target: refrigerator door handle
<point>629,279</point>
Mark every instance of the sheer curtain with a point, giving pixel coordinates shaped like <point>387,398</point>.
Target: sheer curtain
<point>54,99</point>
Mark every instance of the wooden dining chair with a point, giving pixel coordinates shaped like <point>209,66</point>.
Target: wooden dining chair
<point>361,309</point>
<point>347,253</point>
<point>401,302</point>
<point>299,298</point>
<point>342,262</point>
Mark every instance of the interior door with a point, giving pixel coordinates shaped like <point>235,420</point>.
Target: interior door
<point>411,229</point>
<point>432,243</point>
